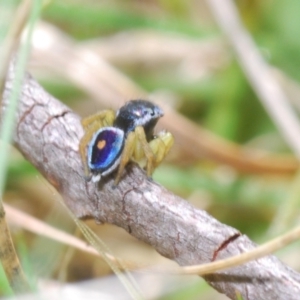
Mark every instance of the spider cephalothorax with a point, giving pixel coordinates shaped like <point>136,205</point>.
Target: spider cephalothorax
<point>111,140</point>
<point>138,113</point>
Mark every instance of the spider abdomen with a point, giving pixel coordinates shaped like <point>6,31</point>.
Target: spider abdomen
<point>105,149</point>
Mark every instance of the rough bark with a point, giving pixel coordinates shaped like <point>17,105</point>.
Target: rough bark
<point>48,132</point>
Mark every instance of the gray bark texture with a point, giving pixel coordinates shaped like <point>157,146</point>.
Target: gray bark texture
<point>48,134</point>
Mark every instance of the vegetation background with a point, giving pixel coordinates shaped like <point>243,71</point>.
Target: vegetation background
<point>174,50</point>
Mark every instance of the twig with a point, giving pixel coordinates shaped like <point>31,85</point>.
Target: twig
<point>9,259</point>
<point>258,252</point>
<point>48,134</point>
<point>36,226</point>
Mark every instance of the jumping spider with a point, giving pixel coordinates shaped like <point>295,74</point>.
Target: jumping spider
<point>112,139</point>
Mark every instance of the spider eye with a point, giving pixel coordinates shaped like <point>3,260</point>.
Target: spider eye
<point>151,112</point>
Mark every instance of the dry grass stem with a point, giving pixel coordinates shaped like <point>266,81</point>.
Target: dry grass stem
<point>258,72</point>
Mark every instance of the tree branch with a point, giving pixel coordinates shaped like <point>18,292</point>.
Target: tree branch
<point>48,133</point>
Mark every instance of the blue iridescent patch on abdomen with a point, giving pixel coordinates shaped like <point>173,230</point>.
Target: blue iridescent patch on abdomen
<point>105,148</point>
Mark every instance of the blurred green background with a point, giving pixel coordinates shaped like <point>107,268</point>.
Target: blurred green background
<point>208,88</point>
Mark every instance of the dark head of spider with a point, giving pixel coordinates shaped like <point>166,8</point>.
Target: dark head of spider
<point>138,113</point>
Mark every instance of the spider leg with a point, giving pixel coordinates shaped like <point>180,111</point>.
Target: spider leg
<point>158,148</point>
<point>140,134</point>
<point>91,125</point>
<point>126,154</point>
<point>104,118</point>
<point>161,146</point>
<point>138,152</point>
<point>168,140</point>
